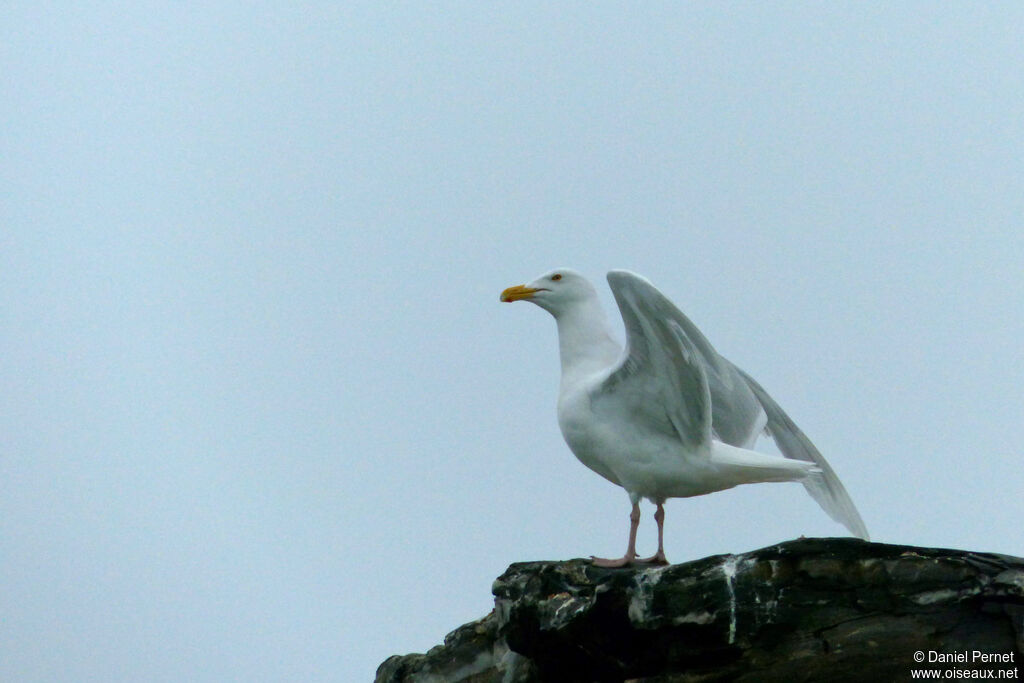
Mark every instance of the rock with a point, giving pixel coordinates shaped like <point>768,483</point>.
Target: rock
<point>474,652</point>
<point>807,610</point>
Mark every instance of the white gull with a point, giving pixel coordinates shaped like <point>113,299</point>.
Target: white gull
<point>667,417</point>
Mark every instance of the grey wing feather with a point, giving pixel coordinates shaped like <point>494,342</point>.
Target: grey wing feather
<point>825,488</point>
<point>661,376</point>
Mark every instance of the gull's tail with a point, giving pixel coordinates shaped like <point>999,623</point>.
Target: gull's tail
<point>735,466</point>
<point>824,486</point>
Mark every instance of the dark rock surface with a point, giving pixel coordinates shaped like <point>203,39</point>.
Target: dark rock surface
<point>807,610</point>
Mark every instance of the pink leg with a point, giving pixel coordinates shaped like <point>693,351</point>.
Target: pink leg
<point>630,556</point>
<point>658,557</point>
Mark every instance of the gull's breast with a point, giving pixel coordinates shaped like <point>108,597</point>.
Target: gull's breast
<point>592,440</point>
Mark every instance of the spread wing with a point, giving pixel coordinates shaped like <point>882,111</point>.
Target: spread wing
<point>740,407</point>
<point>660,380</point>
<point>737,416</point>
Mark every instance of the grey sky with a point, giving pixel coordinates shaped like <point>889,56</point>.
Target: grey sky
<point>263,416</point>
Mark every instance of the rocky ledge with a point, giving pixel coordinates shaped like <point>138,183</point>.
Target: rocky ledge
<point>807,610</point>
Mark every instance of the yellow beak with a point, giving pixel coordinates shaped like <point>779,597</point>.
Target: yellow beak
<point>518,292</point>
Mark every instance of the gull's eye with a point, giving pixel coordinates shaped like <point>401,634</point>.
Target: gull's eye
<point>556,277</point>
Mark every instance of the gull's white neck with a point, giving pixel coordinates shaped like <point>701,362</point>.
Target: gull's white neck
<point>584,343</point>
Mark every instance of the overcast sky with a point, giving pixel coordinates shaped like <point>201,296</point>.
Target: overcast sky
<point>263,417</point>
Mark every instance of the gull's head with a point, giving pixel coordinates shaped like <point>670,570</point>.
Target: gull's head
<point>555,291</point>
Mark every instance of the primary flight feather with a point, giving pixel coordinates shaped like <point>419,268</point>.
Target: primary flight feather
<point>666,417</point>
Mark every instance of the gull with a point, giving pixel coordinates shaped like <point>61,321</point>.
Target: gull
<point>666,416</point>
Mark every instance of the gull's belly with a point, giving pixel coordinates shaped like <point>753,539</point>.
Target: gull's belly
<point>650,464</point>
